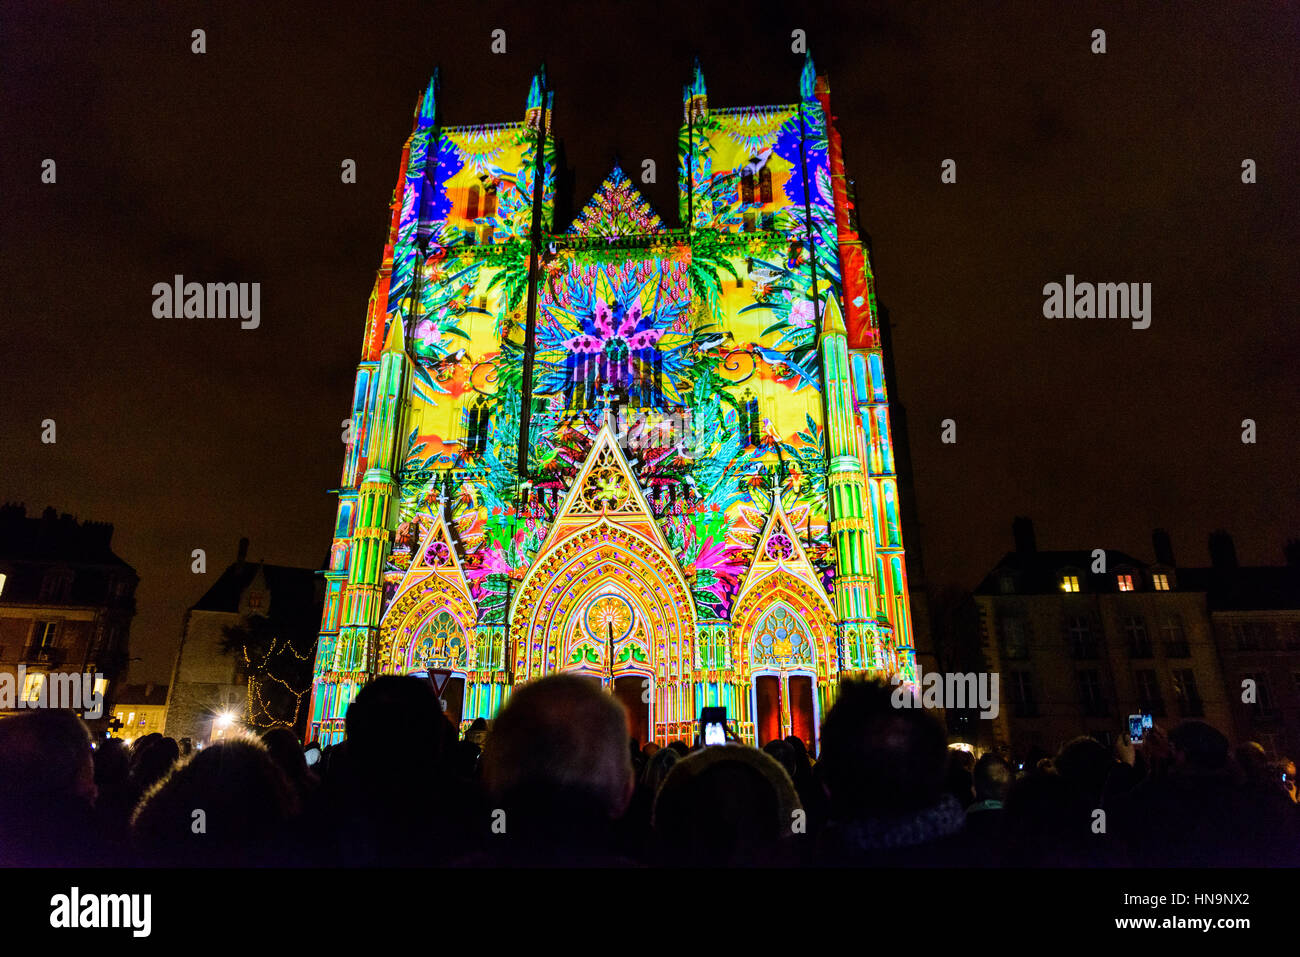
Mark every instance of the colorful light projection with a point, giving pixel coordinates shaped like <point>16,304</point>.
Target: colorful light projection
<point>708,494</point>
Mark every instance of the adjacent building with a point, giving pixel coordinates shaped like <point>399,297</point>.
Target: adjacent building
<point>139,710</point>
<point>220,684</point>
<point>66,604</point>
<point>1255,619</point>
<point>1082,639</point>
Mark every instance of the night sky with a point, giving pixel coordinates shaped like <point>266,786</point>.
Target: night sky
<point>225,167</point>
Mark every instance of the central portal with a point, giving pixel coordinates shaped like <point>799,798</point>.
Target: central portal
<point>633,692</point>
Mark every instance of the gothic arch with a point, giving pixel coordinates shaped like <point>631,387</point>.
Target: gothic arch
<point>780,589</point>
<point>603,559</point>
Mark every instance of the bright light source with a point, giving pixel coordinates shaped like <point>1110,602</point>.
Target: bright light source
<point>225,719</point>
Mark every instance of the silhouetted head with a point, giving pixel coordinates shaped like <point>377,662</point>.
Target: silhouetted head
<point>151,758</point>
<point>1084,763</point>
<point>45,756</point>
<point>227,804</point>
<point>992,778</point>
<point>681,747</point>
<point>286,751</point>
<point>879,759</point>
<point>657,767</point>
<point>724,806</point>
<point>112,766</point>
<point>1198,746</point>
<point>396,727</point>
<point>560,741</point>
<point>782,754</point>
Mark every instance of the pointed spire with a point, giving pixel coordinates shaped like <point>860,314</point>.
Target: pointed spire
<point>808,78</point>
<point>429,102</point>
<point>396,341</point>
<point>695,98</point>
<point>535,89</point>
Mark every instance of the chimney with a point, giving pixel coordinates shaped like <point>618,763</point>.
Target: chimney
<point>1223,553</point>
<point>243,551</point>
<point>1022,529</point>
<point>1292,552</point>
<point>1163,546</point>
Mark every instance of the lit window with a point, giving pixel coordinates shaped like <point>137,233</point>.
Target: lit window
<point>1125,582</point>
<point>32,687</point>
<point>1070,583</point>
<point>1161,582</point>
<point>2,582</point>
<point>130,717</point>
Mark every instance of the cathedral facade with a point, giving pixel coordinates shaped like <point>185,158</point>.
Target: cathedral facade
<point>658,457</point>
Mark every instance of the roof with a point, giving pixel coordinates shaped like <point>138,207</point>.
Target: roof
<point>1038,572</point>
<point>55,538</point>
<point>293,590</point>
<point>146,694</point>
<point>1259,588</point>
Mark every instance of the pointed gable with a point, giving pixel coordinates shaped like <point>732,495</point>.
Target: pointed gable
<point>779,550</point>
<point>605,488</point>
<point>617,209</point>
<point>436,557</point>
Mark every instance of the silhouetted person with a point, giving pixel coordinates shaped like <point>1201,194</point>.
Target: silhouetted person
<point>783,754</point>
<point>811,793</point>
<point>286,751</point>
<point>228,805</point>
<point>558,775</point>
<point>113,806</point>
<point>634,826</point>
<point>681,747</point>
<point>1196,814</point>
<point>389,798</point>
<point>985,816</point>
<point>726,806</point>
<point>884,768</point>
<point>958,780</point>
<point>47,792</point>
<point>151,758</point>
<point>1085,764</point>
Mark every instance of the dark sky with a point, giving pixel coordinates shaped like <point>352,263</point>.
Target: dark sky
<point>1122,167</point>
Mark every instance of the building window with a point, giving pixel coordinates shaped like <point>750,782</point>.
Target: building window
<point>471,203</point>
<point>1189,697</point>
<point>256,600</point>
<point>479,418</point>
<point>3,578</point>
<point>1125,582</point>
<point>490,203</point>
<point>1069,583</point>
<point>765,185</point>
<point>1015,638</point>
<point>32,686</point>
<point>1150,700</point>
<point>1160,581</point>
<point>1007,583</point>
<point>43,636</point>
<point>56,585</point>
<point>1090,694</point>
<point>1082,638</point>
<point>1135,633</point>
<point>746,188</point>
<point>1171,633</point>
<point>749,419</point>
<point>1022,695</point>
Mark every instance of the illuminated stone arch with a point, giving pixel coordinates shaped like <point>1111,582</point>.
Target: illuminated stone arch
<point>433,605</point>
<point>604,559</point>
<point>809,615</point>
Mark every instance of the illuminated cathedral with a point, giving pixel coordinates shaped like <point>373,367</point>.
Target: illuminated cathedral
<point>657,457</point>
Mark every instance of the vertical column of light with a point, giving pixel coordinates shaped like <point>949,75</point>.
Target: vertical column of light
<point>371,478</point>
<point>696,164</point>
<point>329,700</point>
<point>845,479</point>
